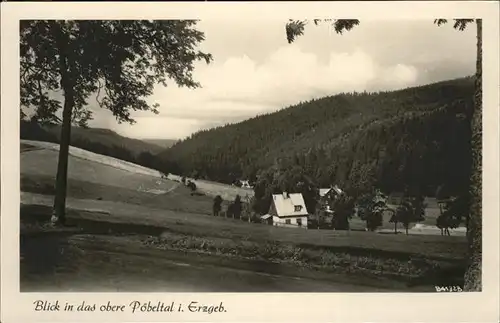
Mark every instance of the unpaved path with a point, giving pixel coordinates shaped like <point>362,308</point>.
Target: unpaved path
<point>87,263</point>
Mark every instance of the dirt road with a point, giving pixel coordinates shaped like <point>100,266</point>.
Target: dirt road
<point>88,263</point>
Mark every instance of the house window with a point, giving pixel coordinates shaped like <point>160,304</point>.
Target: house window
<point>298,208</point>
<point>288,221</point>
<point>299,222</point>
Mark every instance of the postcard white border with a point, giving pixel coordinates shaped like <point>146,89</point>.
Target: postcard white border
<point>251,307</point>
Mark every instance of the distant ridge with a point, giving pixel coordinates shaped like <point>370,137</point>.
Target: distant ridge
<point>164,143</point>
<point>105,137</point>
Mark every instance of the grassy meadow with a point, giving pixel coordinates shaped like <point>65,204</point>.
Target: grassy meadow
<point>105,199</point>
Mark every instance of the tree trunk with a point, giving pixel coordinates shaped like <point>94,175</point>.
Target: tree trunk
<point>59,209</point>
<point>62,165</point>
<point>473,281</point>
<point>395,228</point>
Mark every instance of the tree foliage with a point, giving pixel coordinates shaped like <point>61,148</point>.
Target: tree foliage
<point>455,212</point>
<point>371,207</point>
<point>120,60</point>
<point>295,28</point>
<point>217,205</point>
<point>343,210</point>
<point>191,185</point>
<point>282,177</point>
<point>411,210</point>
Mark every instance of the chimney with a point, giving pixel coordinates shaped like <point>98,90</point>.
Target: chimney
<point>285,195</point>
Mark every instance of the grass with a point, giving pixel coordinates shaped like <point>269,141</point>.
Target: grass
<point>44,162</point>
<point>359,243</point>
<point>227,192</point>
<point>178,199</point>
<point>178,220</point>
<point>333,256</point>
<point>90,167</point>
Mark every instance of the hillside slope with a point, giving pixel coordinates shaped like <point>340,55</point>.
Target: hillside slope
<point>100,141</point>
<point>99,178</point>
<point>415,137</point>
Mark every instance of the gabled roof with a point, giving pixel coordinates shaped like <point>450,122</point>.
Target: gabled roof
<point>266,216</point>
<point>325,191</point>
<point>285,204</point>
<point>337,189</point>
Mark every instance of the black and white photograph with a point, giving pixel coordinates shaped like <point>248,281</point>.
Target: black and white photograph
<point>227,155</point>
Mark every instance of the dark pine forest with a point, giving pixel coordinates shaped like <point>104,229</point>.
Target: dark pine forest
<point>414,140</point>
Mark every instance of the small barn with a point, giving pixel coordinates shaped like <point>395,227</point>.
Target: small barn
<point>328,194</point>
<point>289,210</point>
<point>246,184</point>
<point>267,219</point>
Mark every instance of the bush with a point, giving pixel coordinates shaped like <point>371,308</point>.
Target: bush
<point>191,185</point>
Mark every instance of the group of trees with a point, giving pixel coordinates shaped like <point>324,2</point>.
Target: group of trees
<point>453,210</point>
<point>236,209</point>
<point>411,210</point>
<point>371,207</point>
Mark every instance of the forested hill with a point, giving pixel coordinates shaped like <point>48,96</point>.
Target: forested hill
<point>412,137</point>
<point>100,141</point>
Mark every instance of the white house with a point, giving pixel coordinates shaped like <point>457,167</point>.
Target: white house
<point>289,210</point>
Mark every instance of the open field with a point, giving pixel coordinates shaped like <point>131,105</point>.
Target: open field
<point>207,226</point>
<point>176,199</point>
<point>40,158</point>
<point>43,162</point>
<point>93,157</point>
<point>227,192</point>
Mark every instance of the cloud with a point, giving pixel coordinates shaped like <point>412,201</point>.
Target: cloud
<point>256,71</point>
<point>239,87</point>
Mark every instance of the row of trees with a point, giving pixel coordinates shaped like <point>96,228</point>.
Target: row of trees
<point>453,212</point>
<point>371,207</point>
<point>237,209</point>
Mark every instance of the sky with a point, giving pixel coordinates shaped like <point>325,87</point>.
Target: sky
<point>256,71</point>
